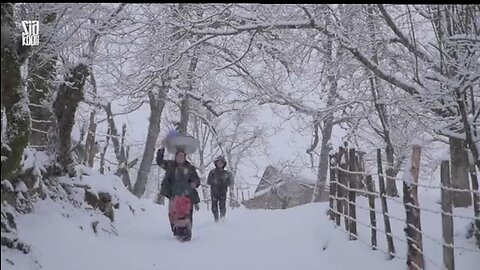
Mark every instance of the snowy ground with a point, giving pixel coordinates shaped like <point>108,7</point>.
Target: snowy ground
<point>299,238</point>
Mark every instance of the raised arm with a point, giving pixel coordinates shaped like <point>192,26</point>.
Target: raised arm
<point>164,164</point>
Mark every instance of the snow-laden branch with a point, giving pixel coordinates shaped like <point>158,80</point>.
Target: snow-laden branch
<point>242,56</point>
<point>402,37</point>
<point>98,32</point>
<point>207,104</point>
<point>301,24</point>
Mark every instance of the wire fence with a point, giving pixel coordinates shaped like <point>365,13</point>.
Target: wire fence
<point>348,181</point>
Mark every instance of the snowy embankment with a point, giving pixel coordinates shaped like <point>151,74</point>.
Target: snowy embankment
<point>61,237</point>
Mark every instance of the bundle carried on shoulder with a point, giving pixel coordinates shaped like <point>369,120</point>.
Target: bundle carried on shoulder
<point>177,141</point>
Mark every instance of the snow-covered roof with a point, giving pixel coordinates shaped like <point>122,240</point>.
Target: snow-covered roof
<point>274,178</point>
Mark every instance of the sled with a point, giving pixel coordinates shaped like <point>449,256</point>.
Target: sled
<point>180,208</point>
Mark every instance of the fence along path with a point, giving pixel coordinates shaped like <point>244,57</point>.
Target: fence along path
<point>347,173</point>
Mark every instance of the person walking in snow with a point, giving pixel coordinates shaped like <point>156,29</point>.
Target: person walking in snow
<point>180,179</point>
<point>219,180</point>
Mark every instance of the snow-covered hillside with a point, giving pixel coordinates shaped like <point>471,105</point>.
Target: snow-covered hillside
<point>61,237</point>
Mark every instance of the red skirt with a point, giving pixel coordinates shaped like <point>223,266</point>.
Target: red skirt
<point>179,208</point>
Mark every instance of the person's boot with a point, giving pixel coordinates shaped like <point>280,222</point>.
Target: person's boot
<point>215,217</point>
<point>188,235</point>
<point>222,217</point>
<point>223,211</point>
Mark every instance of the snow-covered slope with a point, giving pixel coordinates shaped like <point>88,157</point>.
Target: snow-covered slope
<point>300,238</point>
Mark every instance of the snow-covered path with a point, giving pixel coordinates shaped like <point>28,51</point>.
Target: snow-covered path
<point>260,239</point>
<point>299,238</point>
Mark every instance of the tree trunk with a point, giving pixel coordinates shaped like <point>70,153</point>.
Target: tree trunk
<point>203,138</point>
<point>122,169</point>
<point>14,101</point>
<point>104,151</point>
<point>459,172</point>
<point>120,155</point>
<point>185,103</point>
<point>451,22</point>
<point>41,74</point>
<point>232,168</point>
<point>391,188</point>
<point>90,148</point>
<point>157,103</point>
<point>390,170</point>
<point>461,20</point>
<point>65,106</point>
<point>319,194</point>
<point>331,55</point>
<point>184,115</point>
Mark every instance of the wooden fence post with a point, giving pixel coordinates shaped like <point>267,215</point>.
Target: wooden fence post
<point>371,204</point>
<point>360,165</point>
<point>410,199</point>
<point>352,184</point>
<point>476,201</point>
<point>333,190</point>
<point>342,183</point>
<point>383,199</point>
<point>338,192</point>
<point>447,218</point>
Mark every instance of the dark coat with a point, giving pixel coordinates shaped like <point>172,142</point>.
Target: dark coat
<point>178,178</point>
<point>219,180</point>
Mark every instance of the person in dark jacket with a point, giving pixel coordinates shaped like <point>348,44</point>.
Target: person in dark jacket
<point>180,179</point>
<point>219,180</point>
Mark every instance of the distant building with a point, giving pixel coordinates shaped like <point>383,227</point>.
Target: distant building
<point>278,190</point>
